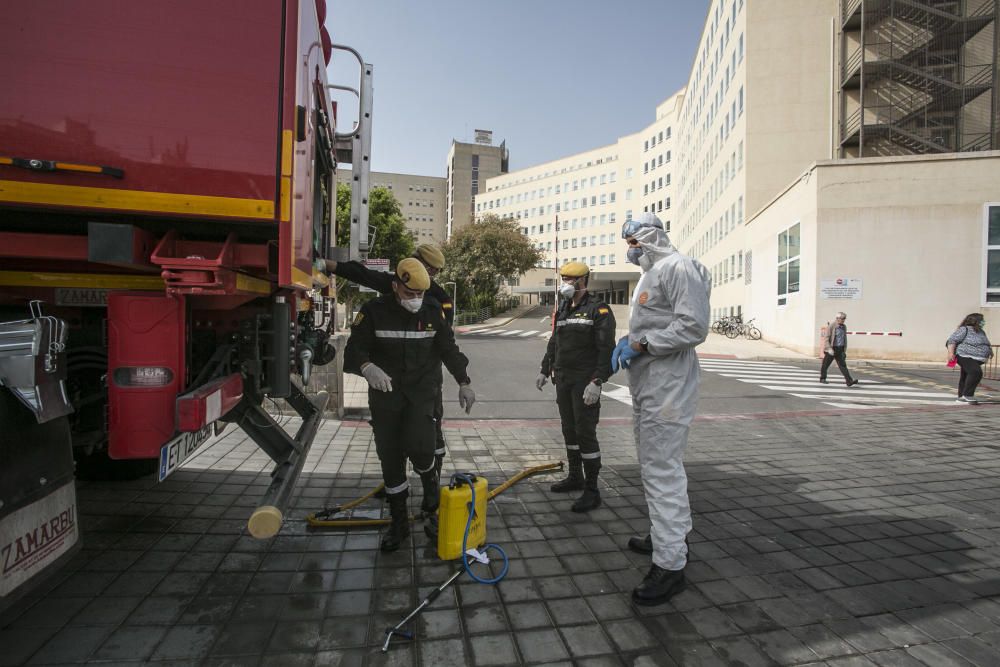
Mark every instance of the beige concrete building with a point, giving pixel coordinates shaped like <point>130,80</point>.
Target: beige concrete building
<point>468,168</point>
<point>421,202</point>
<point>763,183</point>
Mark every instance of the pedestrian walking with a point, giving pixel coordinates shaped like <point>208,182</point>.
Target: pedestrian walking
<point>578,361</point>
<point>970,348</point>
<point>433,260</point>
<point>669,317</point>
<point>835,349</point>
<point>397,344</point>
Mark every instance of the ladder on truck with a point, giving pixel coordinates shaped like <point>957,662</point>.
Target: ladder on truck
<point>355,147</point>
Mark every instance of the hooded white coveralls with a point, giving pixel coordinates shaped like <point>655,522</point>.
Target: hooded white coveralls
<point>670,308</point>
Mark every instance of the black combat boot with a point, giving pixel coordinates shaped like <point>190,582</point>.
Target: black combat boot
<point>591,498</point>
<point>399,528</point>
<point>644,545</point>
<point>574,480</point>
<point>641,545</point>
<point>659,586</point>
<point>432,491</point>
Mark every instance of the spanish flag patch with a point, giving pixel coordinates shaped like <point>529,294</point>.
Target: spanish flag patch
<point>602,311</point>
<point>446,305</point>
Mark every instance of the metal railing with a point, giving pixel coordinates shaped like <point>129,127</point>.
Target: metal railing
<point>991,369</point>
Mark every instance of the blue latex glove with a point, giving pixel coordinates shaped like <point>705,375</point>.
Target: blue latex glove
<point>622,355</point>
<point>625,358</point>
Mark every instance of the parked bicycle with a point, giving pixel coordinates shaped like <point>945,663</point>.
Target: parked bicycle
<point>725,324</point>
<point>744,329</point>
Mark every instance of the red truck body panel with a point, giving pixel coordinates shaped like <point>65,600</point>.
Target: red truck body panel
<point>194,101</point>
<point>182,96</point>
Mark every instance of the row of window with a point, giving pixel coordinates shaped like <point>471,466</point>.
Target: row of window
<point>547,174</point>
<point>728,269</point>
<point>731,218</point>
<point>656,139</point>
<point>595,260</point>
<point>656,184</point>
<point>659,161</point>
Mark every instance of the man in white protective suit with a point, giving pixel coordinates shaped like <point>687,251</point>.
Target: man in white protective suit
<point>669,317</point>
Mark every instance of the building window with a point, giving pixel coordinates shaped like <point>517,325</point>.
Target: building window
<point>992,254</point>
<point>789,248</point>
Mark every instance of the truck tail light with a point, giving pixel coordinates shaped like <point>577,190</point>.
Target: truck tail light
<point>143,376</point>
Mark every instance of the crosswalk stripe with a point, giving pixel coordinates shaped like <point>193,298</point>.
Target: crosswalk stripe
<point>807,382</point>
<point>486,330</point>
<point>878,399</point>
<point>861,392</point>
<point>851,406</point>
<point>617,392</point>
<point>527,333</point>
<point>510,333</point>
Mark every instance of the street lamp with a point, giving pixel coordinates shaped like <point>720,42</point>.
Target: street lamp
<point>454,298</point>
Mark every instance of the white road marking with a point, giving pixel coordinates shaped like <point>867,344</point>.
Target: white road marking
<point>528,333</point>
<point>804,383</point>
<point>509,333</point>
<point>616,392</point>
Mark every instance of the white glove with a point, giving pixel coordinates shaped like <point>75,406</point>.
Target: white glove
<point>541,380</point>
<point>377,378</point>
<point>591,393</point>
<point>466,397</point>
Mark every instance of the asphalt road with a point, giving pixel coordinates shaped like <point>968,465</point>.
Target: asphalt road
<point>504,363</point>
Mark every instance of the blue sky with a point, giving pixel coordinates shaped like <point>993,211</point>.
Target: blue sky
<point>552,77</point>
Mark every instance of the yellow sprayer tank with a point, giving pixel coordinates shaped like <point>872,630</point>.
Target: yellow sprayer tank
<point>453,515</point>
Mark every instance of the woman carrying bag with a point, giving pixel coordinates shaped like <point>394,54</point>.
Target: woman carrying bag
<point>970,348</point>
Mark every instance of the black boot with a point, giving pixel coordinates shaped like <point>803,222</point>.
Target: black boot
<point>591,498</point>
<point>641,545</point>
<point>574,480</point>
<point>432,491</point>
<point>644,545</point>
<point>399,528</point>
<point>659,586</point>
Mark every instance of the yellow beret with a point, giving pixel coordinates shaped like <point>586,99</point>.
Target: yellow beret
<point>412,273</point>
<point>431,254</point>
<point>574,270</point>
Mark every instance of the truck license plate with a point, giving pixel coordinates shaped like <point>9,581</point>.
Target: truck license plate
<point>175,452</point>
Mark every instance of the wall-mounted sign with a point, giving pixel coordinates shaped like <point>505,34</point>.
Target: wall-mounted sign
<point>840,288</point>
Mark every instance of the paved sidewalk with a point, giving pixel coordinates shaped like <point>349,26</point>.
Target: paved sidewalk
<point>822,539</point>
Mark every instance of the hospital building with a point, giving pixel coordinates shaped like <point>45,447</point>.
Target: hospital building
<point>824,156</point>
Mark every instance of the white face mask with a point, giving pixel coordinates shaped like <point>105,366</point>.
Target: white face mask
<point>412,305</point>
<point>567,290</point>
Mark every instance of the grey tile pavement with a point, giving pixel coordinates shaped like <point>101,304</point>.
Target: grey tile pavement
<point>860,539</point>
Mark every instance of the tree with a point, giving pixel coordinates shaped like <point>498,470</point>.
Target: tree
<point>478,257</point>
<point>385,221</point>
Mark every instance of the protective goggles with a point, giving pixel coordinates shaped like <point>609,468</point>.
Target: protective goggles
<point>632,226</point>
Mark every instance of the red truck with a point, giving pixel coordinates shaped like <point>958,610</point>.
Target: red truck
<point>167,184</point>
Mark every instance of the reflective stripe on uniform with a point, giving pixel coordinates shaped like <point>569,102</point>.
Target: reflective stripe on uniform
<point>420,472</point>
<point>440,452</point>
<point>590,455</point>
<point>393,490</point>
<point>385,333</point>
<point>575,321</point>
<point>573,448</point>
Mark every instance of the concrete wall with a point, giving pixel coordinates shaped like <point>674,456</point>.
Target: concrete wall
<point>910,228</point>
<point>794,324</point>
<point>790,92</point>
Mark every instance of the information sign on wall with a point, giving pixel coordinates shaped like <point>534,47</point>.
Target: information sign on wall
<point>840,288</point>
